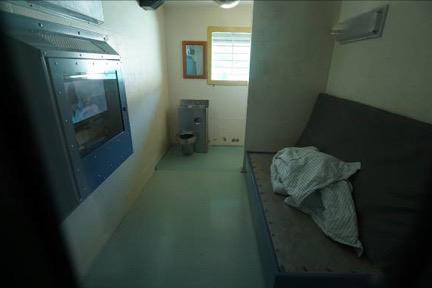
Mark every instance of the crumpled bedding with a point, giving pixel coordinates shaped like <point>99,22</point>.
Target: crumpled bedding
<point>316,183</point>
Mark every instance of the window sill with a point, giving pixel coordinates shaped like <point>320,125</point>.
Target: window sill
<point>227,83</point>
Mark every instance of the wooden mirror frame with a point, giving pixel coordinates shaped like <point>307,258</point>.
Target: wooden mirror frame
<point>200,43</point>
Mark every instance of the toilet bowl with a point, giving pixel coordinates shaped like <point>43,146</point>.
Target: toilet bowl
<point>186,140</point>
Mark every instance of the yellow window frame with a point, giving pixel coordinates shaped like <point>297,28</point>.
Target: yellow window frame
<point>210,30</point>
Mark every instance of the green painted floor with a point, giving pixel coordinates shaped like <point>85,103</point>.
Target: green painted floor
<point>218,159</point>
<point>191,227</point>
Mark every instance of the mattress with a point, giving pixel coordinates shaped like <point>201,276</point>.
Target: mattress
<point>298,243</point>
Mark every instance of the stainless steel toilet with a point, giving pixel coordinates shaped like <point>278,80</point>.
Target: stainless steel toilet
<point>193,116</point>
<point>186,140</point>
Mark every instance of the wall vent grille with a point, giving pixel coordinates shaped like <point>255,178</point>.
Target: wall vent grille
<point>71,43</point>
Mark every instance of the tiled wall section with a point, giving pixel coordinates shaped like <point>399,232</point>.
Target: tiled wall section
<point>138,36</point>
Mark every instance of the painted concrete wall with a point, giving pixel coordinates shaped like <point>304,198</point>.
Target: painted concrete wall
<point>139,38</point>
<point>189,21</point>
<point>291,53</point>
<point>393,72</point>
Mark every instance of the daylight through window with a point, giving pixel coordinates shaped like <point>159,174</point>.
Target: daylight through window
<point>230,55</point>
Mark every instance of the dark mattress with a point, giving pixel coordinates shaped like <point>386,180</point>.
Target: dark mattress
<point>299,245</point>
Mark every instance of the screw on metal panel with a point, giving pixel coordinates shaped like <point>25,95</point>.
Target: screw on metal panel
<point>40,25</point>
<point>76,63</point>
<point>80,55</point>
<point>79,32</point>
<point>55,63</point>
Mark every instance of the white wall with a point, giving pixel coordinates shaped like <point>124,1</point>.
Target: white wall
<point>189,21</point>
<point>291,53</point>
<point>393,72</point>
<point>138,36</point>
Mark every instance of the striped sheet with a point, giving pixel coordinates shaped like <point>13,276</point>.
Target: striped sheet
<point>316,183</point>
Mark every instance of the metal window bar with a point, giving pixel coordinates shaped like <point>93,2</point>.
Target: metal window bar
<point>231,55</point>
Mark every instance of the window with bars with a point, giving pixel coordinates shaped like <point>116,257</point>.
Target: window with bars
<point>229,55</point>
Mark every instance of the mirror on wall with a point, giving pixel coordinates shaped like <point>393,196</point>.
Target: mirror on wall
<point>194,59</point>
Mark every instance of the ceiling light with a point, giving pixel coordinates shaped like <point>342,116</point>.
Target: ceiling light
<point>227,3</point>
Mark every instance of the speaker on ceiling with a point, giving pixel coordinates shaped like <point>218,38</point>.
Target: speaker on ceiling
<point>150,4</point>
